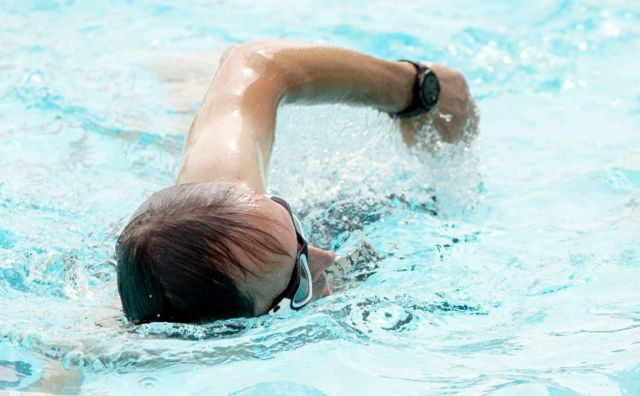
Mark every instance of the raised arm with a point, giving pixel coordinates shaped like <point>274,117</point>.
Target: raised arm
<point>232,136</point>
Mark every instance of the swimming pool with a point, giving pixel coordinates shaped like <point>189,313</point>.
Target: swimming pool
<point>509,265</point>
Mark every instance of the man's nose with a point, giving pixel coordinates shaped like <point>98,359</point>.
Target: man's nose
<point>320,260</point>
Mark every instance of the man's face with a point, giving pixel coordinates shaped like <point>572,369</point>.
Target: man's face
<point>273,276</point>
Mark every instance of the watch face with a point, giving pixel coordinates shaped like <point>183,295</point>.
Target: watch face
<point>430,89</point>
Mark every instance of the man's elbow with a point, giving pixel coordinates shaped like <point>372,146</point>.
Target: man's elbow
<point>259,57</point>
<point>257,52</point>
<point>244,55</point>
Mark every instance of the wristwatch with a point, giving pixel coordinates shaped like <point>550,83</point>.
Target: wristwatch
<point>426,90</point>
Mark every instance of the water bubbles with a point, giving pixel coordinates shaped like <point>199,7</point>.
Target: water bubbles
<point>8,375</point>
<point>148,382</point>
<point>36,78</point>
<point>278,388</point>
<point>373,315</point>
<point>392,318</point>
<point>610,29</point>
<point>98,365</point>
<point>446,117</point>
<point>74,359</point>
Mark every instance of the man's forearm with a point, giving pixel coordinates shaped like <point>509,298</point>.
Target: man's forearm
<point>312,73</point>
<point>320,74</point>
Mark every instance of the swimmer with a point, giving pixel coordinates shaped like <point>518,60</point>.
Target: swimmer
<point>215,245</point>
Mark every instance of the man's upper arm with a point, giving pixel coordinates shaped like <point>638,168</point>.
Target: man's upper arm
<point>231,137</point>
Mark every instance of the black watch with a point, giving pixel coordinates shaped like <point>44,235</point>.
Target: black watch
<point>426,90</point>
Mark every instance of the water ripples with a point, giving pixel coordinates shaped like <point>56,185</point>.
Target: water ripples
<point>505,266</point>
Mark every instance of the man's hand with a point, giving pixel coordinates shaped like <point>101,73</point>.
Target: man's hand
<point>453,115</point>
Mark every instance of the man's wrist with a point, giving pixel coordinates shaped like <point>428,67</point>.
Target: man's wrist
<point>409,74</point>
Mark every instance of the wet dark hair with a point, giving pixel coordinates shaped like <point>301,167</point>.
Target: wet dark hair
<point>175,257</point>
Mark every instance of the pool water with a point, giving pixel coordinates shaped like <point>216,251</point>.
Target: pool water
<point>508,264</point>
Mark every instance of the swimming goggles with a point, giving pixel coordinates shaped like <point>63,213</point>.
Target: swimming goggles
<point>300,289</point>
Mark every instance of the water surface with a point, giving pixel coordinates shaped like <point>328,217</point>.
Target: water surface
<point>509,265</point>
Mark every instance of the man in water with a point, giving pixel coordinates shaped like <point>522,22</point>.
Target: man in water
<point>215,246</point>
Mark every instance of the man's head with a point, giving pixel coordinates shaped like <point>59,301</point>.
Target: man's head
<point>207,251</point>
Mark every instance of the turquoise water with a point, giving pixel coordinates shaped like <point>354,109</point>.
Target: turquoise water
<point>521,277</point>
